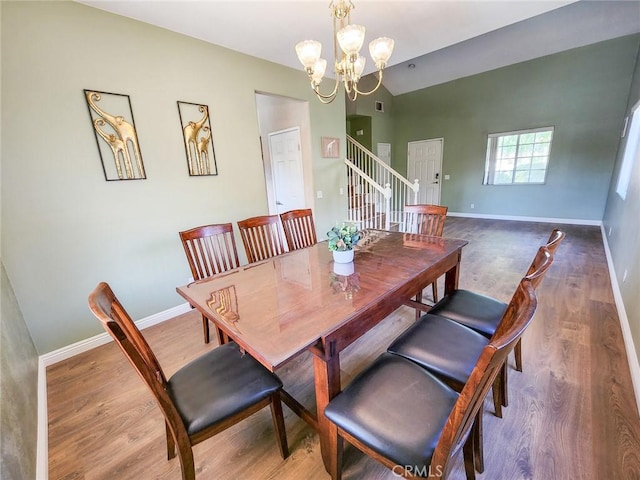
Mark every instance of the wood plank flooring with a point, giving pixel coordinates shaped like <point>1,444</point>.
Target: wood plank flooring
<point>572,412</point>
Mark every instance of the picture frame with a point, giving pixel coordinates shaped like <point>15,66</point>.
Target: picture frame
<point>330,147</point>
<point>197,138</point>
<point>114,128</point>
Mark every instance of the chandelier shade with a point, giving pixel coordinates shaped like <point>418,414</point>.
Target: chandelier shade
<point>349,64</point>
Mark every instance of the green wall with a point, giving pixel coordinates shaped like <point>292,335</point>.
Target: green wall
<point>381,122</point>
<point>582,92</point>
<point>622,225</point>
<point>18,389</point>
<point>64,228</point>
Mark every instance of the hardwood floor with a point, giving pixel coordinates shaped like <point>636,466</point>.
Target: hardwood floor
<point>571,413</point>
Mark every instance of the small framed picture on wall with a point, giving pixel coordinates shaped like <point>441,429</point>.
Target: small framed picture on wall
<point>330,147</point>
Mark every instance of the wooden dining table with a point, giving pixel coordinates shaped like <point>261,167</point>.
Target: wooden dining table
<point>302,301</point>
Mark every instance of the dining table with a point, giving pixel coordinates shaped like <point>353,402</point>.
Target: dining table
<point>302,301</point>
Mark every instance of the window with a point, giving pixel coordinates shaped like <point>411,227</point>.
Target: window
<point>630,152</point>
<point>518,158</point>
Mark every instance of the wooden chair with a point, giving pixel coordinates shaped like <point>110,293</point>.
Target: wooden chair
<point>426,220</point>
<point>450,350</point>
<point>261,237</point>
<point>483,313</point>
<point>403,416</point>
<point>299,229</point>
<point>204,397</point>
<point>210,249</point>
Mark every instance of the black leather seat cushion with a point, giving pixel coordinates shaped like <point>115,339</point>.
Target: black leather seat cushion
<point>218,385</point>
<point>444,347</point>
<point>396,408</point>
<point>476,311</point>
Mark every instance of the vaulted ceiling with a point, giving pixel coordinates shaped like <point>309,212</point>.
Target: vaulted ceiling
<point>442,39</point>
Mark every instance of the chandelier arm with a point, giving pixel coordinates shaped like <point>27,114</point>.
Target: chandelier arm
<point>355,87</point>
<point>316,89</point>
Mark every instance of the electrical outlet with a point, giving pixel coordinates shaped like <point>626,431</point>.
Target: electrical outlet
<point>341,191</point>
<point>447,177</point>
<point>473,205</point>
<point>319,194</point>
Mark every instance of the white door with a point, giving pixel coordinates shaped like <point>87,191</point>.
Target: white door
<point>286,167</point>
<point>424,162</point>
<point>384,152</point>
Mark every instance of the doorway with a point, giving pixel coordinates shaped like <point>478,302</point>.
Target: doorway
<point>424,162</point>
<point>282,115</point>
<point>359,128</point>
<point>286,167</point>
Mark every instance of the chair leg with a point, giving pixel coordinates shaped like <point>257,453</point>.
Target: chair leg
<point>336,447</point>
<point>278,424</point>
<point>504,384</point>
<point>186,462</point>
<point>434,288</point>
<point>518,353</point>
<point>222,337</point>
<point>419,300</point>
<point>205,328</point>
<point>469,463</point>
<point>477,442</point>
<point>171,444</point>
<point>497,396</point>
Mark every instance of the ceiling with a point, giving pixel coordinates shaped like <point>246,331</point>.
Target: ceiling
<point>444,39</point>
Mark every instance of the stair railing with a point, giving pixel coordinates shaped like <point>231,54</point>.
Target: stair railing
<point>364,198</point>
<point>402,191</point>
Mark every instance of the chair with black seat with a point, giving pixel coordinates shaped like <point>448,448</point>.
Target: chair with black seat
<point>299,228</point>
<point>481,312</point>
<point>450,350</point>
<point>261,237</point>
<point>210,250</point>
<point>405,417</point>
<point>204,397</point>
<point>425,219</point>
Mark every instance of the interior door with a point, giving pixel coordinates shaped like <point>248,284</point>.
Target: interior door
<point>286,167</point>
<point>424,162</point>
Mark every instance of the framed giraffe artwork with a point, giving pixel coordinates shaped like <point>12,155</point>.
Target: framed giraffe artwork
<point>197,138</point>
<point>112,122</point>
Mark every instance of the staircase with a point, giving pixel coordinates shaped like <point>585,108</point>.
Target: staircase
<point>376,193</point>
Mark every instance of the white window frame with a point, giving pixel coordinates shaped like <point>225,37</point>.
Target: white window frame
<point>631,148</point>
<point>491,161</point>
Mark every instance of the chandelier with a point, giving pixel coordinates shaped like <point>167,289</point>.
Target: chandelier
<point>349,64</point>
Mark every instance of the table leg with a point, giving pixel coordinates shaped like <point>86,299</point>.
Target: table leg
<point>451,277</point>
<point>327,384</point>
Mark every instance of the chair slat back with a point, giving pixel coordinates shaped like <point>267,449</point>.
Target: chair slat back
<point>555,239</point>
<point>117,322</point>
<point>539,267</point>
<point>261,237</point>
<point>515,320</point>
<point>299,228</point>
<point>425,219</point>
<point>210,249</point>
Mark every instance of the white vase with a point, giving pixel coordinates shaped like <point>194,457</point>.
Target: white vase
<point>344,269</point>
<point>345,256</point>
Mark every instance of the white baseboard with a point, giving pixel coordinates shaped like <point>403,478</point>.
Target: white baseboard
<point>42,455</point>
<point>42,442</point>
<point>102,338</point>
<point>632,354</point>
<point>561,221</point>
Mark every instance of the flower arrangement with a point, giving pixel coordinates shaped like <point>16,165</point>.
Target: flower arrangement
<point>343,237</point>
